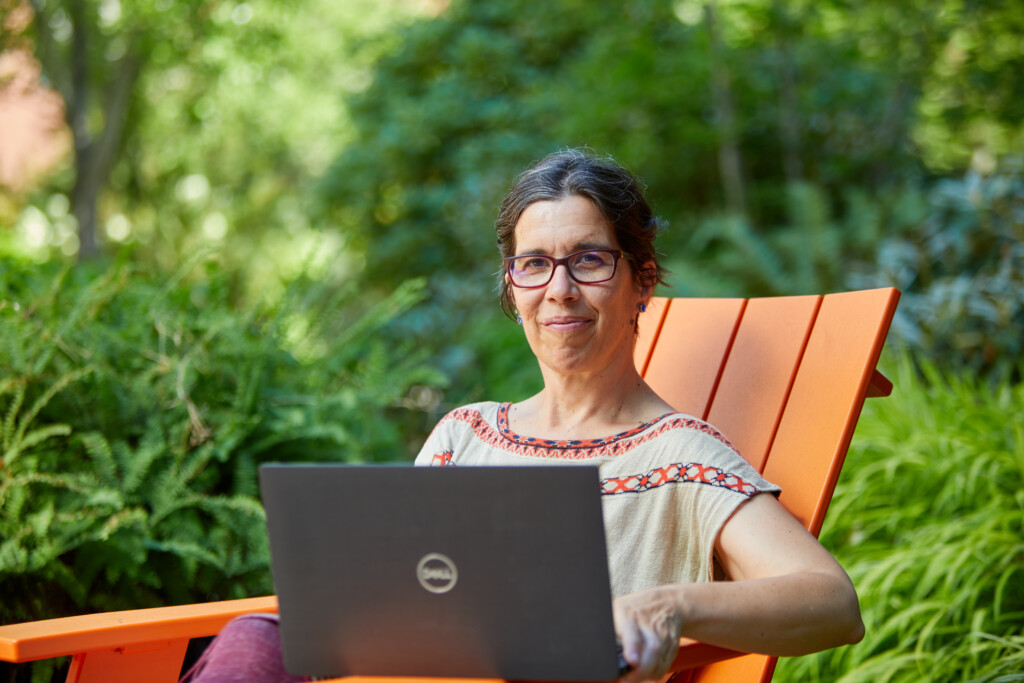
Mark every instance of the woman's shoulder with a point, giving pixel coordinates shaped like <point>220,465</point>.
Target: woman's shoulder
<point>683,426</point>
<point>460,430</point>
<point>693,450</point>
<point>472,412</point>
<point>481,417</point>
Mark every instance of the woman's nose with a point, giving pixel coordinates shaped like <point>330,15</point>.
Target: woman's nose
<point>562,286</point>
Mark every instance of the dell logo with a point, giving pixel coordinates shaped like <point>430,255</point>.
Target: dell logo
<point>437,573</point>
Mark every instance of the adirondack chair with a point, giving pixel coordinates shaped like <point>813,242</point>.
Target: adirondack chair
<point>785,378</point>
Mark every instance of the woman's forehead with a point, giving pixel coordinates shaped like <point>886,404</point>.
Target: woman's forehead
<point>568,224</point>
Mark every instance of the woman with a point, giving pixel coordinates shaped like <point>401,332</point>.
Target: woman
<point>577,239</point>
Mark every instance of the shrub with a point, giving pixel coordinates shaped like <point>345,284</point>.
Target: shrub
<point>962,273</point>
<point>956,251</point>
<point>811,252</point>
<point>928,519</point>
<point>135,408</point>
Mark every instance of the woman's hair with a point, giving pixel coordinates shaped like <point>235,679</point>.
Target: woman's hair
<point>616,192</point>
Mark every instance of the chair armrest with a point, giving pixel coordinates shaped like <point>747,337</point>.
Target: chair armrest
<point>693,654</point>
<point>90,632</point>
<point>122,631</point>
<point>880,386</point>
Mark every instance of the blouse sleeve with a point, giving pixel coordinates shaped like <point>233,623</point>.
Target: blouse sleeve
<point>437,449</point>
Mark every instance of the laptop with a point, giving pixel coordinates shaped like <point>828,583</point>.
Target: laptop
<point>482,572</point>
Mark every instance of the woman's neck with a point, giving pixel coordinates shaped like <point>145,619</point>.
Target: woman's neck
<point>587,406</point>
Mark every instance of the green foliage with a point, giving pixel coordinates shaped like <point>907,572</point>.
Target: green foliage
<point>961,269</point>
<point>232,110</point>
<point>928,520</point>
<point>813,251</point>
<point>466,99</point>
<point>470,97</point>
<point>135,408</point>
<point>956,251</point>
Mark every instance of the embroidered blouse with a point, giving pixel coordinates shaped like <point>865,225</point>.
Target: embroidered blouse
<point>668,485</point>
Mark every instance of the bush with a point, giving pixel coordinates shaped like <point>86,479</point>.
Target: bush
<point>962,273</point>
<point>928,519</point>
<point>810,253</point>
<point>135,408</point>
<point>955,250</point>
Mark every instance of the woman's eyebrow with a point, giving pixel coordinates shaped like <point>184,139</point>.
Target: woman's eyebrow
<point>579,246</point>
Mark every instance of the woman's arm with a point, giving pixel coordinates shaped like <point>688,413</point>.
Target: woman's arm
<point>787,596</point>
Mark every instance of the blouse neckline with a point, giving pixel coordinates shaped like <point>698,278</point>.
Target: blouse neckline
<point>507,433</point>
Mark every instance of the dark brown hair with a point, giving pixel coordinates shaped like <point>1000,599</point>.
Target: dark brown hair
<point>616,192</point>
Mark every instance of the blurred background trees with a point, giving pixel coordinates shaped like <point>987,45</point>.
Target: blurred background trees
<point>231,225</point>
<point>781,140</point>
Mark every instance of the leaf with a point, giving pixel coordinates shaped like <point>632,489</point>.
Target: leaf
<point>33,438</point>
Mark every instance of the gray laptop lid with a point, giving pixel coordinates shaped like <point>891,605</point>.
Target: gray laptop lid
<point>491,572</point>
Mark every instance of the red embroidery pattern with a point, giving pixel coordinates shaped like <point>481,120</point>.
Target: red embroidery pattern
<point>677,473</point>
<point>576,449</point>
<point>442,459</point>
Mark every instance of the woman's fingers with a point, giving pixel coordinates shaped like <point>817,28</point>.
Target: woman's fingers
<point>630,637</point>
<point>649,631</point>
<point>654,657</point>
<point>660,648</point>
<point>653,653</point>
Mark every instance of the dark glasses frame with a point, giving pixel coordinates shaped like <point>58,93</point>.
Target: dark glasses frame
<point>564,261</point>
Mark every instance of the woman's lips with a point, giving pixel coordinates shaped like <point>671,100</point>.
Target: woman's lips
<point>566,323</point>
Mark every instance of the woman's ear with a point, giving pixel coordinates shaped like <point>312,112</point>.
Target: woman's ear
<point>649,276</point>
<point>511,293</point>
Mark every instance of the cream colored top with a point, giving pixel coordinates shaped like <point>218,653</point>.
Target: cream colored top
<point>667,485</point>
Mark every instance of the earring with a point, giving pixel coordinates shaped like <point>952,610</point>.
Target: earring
<point>519,319</point>
<point>643,308</point>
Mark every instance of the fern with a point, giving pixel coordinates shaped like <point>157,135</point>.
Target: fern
<point>137,409</point>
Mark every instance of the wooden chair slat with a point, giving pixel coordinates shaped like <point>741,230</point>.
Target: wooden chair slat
<point>834,374</point>
<point>649,330</point>
<point>826,400</point>
<point>694,340</point>
<point>69,635</point>
<point>151,662</point>
<point>759,372</point>
<point>748,668</point>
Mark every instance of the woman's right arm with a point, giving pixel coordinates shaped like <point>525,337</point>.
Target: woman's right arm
<point>787,596</point>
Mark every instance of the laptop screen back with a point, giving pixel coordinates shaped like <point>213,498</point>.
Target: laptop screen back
<point>489,572</point>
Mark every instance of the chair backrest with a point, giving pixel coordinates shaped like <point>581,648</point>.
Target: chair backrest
<point>784,378</point>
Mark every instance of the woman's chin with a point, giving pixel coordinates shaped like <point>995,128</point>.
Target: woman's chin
<point>572,360</point>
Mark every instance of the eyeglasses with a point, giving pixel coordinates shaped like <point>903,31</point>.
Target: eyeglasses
<point>586,267</point>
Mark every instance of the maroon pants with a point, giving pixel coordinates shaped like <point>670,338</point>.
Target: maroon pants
<point>247,650</point>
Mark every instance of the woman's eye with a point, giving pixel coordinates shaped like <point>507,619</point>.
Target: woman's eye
<point>533,264</point>
<point>590,259</point>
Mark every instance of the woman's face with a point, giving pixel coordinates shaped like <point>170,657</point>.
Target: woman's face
<point>572,327</point>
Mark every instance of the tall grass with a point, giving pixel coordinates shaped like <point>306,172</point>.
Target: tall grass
<point>928,519</point>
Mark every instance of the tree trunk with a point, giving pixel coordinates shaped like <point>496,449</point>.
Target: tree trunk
<point>729,163</point>
<point>95,154</point>
<point>84,197</point>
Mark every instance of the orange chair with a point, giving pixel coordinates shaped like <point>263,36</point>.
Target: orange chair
<point>785,378</point>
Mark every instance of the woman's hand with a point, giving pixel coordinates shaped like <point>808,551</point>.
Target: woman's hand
<point>787,597</point>
<point>649,623</point>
